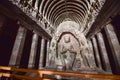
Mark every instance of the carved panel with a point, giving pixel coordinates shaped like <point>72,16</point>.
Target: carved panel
<point>69,49</point>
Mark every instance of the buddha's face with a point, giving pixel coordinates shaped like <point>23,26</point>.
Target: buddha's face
<point>67,38</point>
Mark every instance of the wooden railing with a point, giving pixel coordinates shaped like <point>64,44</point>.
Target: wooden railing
<point>9,72</point>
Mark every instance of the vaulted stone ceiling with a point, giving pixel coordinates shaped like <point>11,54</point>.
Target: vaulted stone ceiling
<point>56,11</point>
<point>51,13</point>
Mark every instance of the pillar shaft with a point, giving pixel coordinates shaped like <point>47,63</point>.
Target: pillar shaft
<point>96,53</point>
<point>114,45</point>
<point>42,53</point>
<point>106,63</point>
<point>47,55</point>
<point>92,57</point>
<point>18,47</point>
<point>33,51</point>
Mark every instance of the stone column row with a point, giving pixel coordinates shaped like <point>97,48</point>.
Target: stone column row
<point>100,53</point>
<point>18,49</point>
<point>100,49</point>
<point>103,52</point>
<point>44,54</point>
<point>92,58</point>
<point>96,53</point>
<point>114,46</point>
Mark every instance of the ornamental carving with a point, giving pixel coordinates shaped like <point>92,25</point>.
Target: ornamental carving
<point>69,49</point>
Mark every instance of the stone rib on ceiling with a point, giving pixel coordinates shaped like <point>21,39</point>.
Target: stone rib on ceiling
<point>56,11</point>
<point>63,17</point>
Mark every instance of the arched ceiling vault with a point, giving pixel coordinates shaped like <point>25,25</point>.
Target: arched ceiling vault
<point>67,14</point>
<point>56,11</point>
<point>74,17</point>
<point>69,4</point>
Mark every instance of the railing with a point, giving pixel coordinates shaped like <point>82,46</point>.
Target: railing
<point>9,72</point>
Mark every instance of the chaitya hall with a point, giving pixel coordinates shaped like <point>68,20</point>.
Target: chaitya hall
<point>59,40</point>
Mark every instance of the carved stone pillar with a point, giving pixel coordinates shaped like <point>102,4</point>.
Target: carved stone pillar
<point>18,47</point>
<point>92,57</point>
<point>42,53</point>
<point>96,53</point>
<point>33,51</point>
<point>105,60</point>
<point>47,54</point>
<point>114,45</point>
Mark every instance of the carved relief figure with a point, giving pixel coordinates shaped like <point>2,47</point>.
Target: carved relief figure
<point>67,50</point>
<point>70,49</point>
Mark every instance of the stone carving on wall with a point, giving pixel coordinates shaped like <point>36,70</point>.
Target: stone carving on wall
<point>69,49</point>
<point>33,12</point>
<point>95,8</point>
